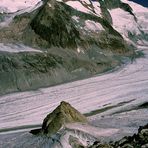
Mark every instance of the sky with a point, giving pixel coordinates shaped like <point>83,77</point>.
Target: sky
<point>142,2</point>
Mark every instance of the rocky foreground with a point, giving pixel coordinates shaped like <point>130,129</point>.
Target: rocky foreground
<point>139,140</point>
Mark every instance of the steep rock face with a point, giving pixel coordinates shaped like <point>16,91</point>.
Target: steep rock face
<point>62,115</point>
<point>53,24</point>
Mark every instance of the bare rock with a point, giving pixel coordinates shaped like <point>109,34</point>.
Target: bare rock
<point>62,115</point>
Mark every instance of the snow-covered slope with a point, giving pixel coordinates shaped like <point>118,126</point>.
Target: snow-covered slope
<point>15,5</point>
<point>86,6</point>
<point>124,22</point>
<point>141,14</point>
<point>8,14</point>
<point>136,7</point>
<point>133,27</point>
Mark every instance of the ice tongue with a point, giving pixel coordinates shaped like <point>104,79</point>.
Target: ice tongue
<point>62,115</point>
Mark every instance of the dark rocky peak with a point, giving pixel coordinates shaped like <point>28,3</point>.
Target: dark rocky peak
<point>54,27</point>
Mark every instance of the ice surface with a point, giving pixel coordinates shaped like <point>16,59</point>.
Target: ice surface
<point>16,48</point>
<point>15,5</point>
<point>129,83</point>
<point>124,22</point>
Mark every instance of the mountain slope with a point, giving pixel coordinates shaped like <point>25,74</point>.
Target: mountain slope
<point>75,40</point>
<point>131,24</point>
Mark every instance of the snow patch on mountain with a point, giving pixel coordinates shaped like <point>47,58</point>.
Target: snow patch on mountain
<point>95,131</point>
<point>136,7</point>
<point>15,5</point>
<point>93,26</point>
<point>97,8</point>
<point>141,14</point>
<point>14,48</point>
<point>86,6</point>
<point>79,50</point>
<point>78,6</point>
<point>9,17</point>
<point>49,5</point>
<point>124,22</point>
<point>76,18</point>
<point>85,1</point>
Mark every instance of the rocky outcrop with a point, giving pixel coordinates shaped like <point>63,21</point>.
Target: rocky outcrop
<point>61,116</point>
<point>139,140</point>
